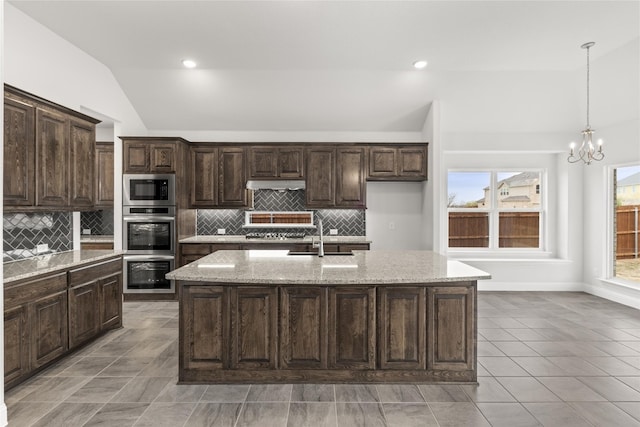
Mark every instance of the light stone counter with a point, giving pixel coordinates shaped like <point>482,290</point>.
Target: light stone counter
<point>96,238</point>
<point>363,268</point>
<point>228,238</point>
<point>42,264</point>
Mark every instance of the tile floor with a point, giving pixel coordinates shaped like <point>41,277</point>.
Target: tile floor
<point>550,359</point>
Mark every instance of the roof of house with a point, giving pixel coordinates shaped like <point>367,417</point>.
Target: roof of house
<point>522,179</point>
<point>516,199</point>
<point>630,180</point>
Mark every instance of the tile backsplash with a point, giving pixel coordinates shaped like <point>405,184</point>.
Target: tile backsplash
<point>22,232</point>
<point>99,222</point>
<point>349,222</point>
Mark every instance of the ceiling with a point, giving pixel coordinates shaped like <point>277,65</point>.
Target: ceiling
<point>321,65</point>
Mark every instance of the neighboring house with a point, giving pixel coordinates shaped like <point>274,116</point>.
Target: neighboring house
<point>518,191</point>
<point>628,190</point>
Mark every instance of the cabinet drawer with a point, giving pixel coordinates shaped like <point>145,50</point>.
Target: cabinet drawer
<point>195,249</point>
<point>95,271</point>
<point>32,290</point>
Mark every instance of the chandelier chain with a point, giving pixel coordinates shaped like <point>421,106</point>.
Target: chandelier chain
<point>588,87</point>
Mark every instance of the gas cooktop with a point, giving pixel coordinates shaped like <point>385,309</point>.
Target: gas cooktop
<point>275,236</point>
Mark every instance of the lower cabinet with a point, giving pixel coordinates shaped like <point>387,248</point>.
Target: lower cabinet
<point>327,333</point>
<point>47,316</point>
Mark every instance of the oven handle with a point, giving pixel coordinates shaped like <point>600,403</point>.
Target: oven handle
<point>148,257</point>
<point>148,218</point>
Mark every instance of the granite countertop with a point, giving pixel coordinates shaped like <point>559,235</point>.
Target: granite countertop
<point>95,238</point>
<point>363,267</point>
<point>228,238</point>
<point>50,263</point>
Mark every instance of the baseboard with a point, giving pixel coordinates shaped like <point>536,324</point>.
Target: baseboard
<point>490,285</point>
<point>4,419</point>
<point>615,292</point>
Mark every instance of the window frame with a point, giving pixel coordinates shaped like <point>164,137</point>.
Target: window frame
<point>494,212</point>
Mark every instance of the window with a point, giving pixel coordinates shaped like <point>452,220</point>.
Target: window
<point>495,209</point>
<point>627,223</point>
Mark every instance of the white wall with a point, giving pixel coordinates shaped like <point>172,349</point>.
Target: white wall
<point>41,62</point>
<point>395,219</point>
<point>3,407</point>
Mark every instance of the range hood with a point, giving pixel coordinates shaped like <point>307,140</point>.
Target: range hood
<point>280,184</point>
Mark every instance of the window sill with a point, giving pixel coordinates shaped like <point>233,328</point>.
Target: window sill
<point>621,282</point>
<point>506,256</point>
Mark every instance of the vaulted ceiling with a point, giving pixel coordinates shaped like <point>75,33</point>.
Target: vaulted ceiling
<point>321,65</point>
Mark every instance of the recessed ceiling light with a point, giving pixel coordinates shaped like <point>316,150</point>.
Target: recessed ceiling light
<point>189,63</point>
<point>420,64</point>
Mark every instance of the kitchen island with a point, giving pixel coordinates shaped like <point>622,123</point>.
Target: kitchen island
<point>374,316</point>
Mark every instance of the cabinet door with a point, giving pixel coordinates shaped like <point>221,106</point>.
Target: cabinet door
<point>110,289</point>
<point>206,327</point>
<point>82,142</point>
<point>162,157</point>
<point>412,162</point>
<point>104,175</point>
<point>402,328</point>
<point>353,247</point>
<point>136,157</point>
<point>16,343</point>
<point>84,313</point>
<point>253,341</point>
<point>383,162</point>
<point>19,154</point>
<point>350,182</point>
<point>303,328</point>
<point>204,177</point>
<point>320,191</point>
<point>352,328</point>
<point>291,162</point>
<point>52,159</point>
<point>232,178</point>
<point>451,328</point>
<point>263,162</point>
<point>48,328</point>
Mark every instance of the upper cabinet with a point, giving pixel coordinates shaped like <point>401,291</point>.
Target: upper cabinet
<point>104,174</point>
<point>272,162</point>
<point>48,155</point>
<point>397,163</point>
<point>336,177</point>
<point>149,155</point>
<point>218,177</point>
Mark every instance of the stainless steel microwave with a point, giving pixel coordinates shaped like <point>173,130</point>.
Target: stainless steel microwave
<point>148,190</point>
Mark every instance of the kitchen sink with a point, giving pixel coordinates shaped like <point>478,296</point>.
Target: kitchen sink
<point>316,253</point>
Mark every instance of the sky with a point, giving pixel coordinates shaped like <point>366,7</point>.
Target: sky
<point>468,186</point>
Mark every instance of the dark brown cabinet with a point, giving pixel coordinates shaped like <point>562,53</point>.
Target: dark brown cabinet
<point>267,162</point>
<point>218,177</point>
<point>149,155</point>
<point>336,177</point>
<point>253,326</point>
<point>48,315</point>
<point>35,329</point>
<point>104,162</point>
<point>451,328</point>
<point>398,163</point>
<point>303,328</point>
<point>320,183</point>
<point>207,315</point>
<point>48,328</point>
<point>16,338</point>
<point>232,177</point>
<point>352,339</point>
<point>204,176</point>
<point>350,177</point>
<point>49,152</point>
<point>401,328</point>
<point>95,300</point>
<point>19,153</point>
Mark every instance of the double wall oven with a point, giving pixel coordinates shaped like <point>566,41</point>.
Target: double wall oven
<point>149,232</point>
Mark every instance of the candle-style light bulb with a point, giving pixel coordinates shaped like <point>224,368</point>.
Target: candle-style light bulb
<point>572,146</point>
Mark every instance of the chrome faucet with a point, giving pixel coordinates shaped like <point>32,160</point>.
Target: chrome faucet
<point>320,243</point>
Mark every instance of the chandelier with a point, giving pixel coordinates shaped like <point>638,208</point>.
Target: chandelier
<point>587,152</point>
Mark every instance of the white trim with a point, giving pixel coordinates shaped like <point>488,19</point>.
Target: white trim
<point>531,286</point>
<point>615,292</point>
<point>4,418</point>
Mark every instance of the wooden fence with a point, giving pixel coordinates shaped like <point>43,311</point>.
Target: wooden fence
<point>516,230</point>
<point>627,226</point>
